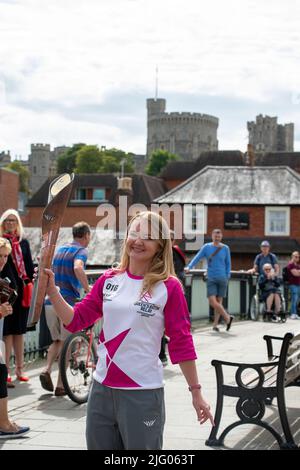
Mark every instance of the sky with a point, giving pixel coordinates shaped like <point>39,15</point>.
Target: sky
<point>81,70</point>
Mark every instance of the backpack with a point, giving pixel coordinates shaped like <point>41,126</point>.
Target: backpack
<point>285,274</point>
<point>272,258</point>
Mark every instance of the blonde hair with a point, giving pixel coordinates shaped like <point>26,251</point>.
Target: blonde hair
<point>5,215</point>
<point>162,266</point>
<point>4,243</point>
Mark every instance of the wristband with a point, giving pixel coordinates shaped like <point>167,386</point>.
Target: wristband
<point>195,387</point>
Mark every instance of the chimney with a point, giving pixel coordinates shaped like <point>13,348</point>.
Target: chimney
<point>124,189</point>
<point>250,156</point>
<point>125,184</point>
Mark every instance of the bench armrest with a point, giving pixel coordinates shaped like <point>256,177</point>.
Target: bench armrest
<point>244,365</point>
<point>269,340</point>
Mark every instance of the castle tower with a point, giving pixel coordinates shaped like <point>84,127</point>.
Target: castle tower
<point>156,106</point>
<point>185,134</point>
<point>266,135</point>
<point>39,164</point>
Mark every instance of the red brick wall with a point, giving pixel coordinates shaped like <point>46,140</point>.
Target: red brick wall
<point>295,223</point>
<point>173,183</point>
<point>9,189</point>
<point>215,218</point>
<point>72,216</point>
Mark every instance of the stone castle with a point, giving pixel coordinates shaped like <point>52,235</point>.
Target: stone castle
<point>185,134</point>
<point>42,164</point>
<point>5,159</point>
<point>266,135</point>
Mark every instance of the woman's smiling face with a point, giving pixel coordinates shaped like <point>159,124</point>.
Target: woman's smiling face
<point>139,244</point>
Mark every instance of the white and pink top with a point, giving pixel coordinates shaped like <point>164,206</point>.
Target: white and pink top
<point>133,326</point>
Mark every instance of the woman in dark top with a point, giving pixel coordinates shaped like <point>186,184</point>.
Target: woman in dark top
<point>8,429</point>
<point>21,266</point>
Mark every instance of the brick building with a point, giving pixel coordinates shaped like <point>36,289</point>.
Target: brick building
<point>249,204</point>
<point>9,189</point>
<point>90,191</point>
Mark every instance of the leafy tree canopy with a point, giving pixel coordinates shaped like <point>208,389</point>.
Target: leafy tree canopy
<point>114,159</point>
<point>82,158</point>
<point>158,160</point>
<point>89,159</point>
<point>66,162</point>
<point>23,175</point>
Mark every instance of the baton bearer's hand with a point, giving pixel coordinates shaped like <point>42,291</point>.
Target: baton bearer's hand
<point>51,287</point>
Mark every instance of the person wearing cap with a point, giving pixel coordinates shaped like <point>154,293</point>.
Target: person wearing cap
<point>265,257</point>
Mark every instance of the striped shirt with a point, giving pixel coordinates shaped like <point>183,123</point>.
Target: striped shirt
<point>63,268</point>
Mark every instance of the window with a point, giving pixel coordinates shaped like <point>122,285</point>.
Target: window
<point>277,221</point>
<point>99,194</point>
<point>90,194</point>
<point>195,219</point>
<point>81,194</point>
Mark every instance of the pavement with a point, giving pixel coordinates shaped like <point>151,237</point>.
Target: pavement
<point>58,423</point>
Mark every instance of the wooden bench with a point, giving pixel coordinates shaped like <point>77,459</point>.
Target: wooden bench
<point>256,389</point>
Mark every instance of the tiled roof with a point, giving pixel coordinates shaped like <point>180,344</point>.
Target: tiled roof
<point>145,188</point>
<point>238,185</point>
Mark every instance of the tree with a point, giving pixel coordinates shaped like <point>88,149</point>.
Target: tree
<point>89,160</point>
<point>23,175</point>
<point>66,162</point>
<point>113,158</point>
<point>110,164</point>
<point>82,158</point>
<point>158,160</point>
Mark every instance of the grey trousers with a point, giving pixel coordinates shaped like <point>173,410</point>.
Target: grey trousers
<point>125,419</point>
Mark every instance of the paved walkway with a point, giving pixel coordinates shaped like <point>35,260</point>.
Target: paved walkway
<point>58,423</point>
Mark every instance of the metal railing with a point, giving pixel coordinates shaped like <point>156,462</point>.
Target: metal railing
<point>241,287</point>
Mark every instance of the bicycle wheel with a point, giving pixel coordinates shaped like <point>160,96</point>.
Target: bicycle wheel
<point>77,364</point>
<point>254,308</point>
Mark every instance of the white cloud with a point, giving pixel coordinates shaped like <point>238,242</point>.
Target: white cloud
<point>66,54</point>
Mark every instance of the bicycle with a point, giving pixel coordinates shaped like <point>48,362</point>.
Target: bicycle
<point>77,363</point>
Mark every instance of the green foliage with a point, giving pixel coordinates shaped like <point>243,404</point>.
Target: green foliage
<point>158,160</point>
<point>89,160</point>
<point>66,162</point>
<point>82,158</point>
<point>113,158</point>
<point>23,175</point>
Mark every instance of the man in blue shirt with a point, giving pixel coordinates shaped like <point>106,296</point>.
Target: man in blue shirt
<point>68,266</point>
<point>218,272</point>
<point>265,257</point>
